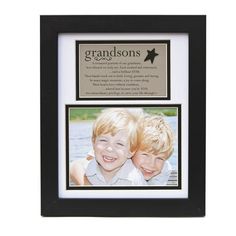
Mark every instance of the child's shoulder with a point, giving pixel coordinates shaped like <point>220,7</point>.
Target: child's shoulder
<point>167,168</point>
<point>133,174</point>
<point>91,168</point>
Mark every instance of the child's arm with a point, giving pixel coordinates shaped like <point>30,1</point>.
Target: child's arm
<point>77,171</point>
<point>86,181</point>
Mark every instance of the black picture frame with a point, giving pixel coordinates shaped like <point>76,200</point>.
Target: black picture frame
<point>51,204</point>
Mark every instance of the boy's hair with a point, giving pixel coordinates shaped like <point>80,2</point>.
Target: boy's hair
<point>112,120</point>
<point>155,135</point>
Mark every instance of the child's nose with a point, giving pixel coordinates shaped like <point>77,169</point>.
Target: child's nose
<point>109,148</point>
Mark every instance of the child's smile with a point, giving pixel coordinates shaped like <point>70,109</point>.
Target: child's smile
<point>148,174</point>
<point>108,158</point>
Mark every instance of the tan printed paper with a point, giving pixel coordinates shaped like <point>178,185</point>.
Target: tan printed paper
<point>123,69</point>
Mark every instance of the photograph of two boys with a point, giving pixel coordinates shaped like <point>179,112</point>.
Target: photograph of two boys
<point>123,146</point>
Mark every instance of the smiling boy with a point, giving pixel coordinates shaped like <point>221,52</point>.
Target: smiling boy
<point>114,141</point>
<point>155,141</point>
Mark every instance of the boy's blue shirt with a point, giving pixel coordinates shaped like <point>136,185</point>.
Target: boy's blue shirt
<point>128,174</point>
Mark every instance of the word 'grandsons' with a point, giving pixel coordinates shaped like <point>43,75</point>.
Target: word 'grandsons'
<point>89,54</point>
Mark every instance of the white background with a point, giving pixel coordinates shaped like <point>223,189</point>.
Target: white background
<point>19,126</point>
<point>179,95</point>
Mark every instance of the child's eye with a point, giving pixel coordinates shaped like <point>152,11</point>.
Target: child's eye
<point>102,140</point>
<point>120,144</point>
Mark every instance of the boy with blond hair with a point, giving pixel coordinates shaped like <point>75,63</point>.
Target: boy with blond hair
<point>155,142</point>
<point>114,140</point>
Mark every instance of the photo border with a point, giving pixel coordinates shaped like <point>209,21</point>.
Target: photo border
<point>51,204</point>
<point>178,106</point>
<point>168,79</point>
